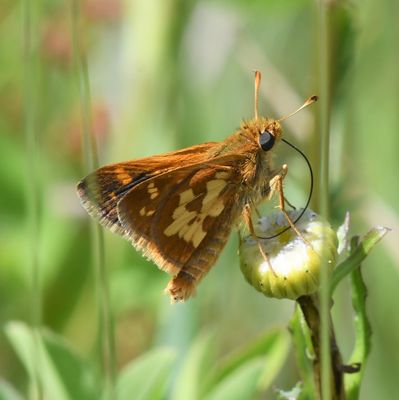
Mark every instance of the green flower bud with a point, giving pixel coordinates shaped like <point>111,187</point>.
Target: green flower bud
<point>295,264</point>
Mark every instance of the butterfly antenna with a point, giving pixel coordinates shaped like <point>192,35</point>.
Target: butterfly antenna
<point>308,102</point>
<point>258,77</point>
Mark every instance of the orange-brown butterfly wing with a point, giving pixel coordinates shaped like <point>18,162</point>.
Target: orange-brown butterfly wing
<point>182,220</point>
<point>101,191</point>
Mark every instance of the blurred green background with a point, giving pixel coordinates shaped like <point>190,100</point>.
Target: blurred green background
<point>164,75</point>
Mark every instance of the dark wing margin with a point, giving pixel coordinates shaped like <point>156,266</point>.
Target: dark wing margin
<point>101,191</point>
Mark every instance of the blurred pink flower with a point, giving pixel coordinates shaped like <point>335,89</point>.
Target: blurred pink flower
<point>102,10</point>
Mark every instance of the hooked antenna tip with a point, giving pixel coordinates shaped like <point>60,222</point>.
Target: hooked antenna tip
<point>312,99</point>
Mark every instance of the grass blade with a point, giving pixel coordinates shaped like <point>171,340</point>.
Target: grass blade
<point>106,330</point>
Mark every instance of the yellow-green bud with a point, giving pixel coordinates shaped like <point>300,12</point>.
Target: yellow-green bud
<point>295,264</point>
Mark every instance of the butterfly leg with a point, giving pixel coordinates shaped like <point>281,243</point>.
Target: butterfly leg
<point>248,221</point>
<point>277,185</point>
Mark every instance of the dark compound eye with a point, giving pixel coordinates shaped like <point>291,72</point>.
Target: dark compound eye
<point>266,140</point>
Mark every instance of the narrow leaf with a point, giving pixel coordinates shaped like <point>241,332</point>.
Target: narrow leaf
<point>357,255</point>
<point>189,383</point>
<point>242,384</point>
<point>362,335</point>
<point>62,375</point>
<point>273,347</point>
<point>146,378</point>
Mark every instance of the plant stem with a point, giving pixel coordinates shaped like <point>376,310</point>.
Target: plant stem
<point>324,125</point>
<point>312,317</point>
<point>32,186</point>
<point>106,326</point>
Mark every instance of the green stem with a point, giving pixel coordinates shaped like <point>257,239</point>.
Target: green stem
<point>32,188</point>
<point>324,87</point>
<point>335,375</point>
<point>106,335</point>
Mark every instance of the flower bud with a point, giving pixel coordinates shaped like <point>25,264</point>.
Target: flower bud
<point>295,263</point>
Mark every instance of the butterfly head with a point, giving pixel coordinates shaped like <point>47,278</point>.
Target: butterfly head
<point>269,134</point>
<point>264,133</point>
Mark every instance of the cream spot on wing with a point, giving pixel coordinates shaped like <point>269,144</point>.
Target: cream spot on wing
<point>188,231</point>
<point>215,186</point>
<point>210,205</point>
<point>184,226</point>
<point>152,191</point>
<point>186,196</point>
<point>149,213</point>
<point>179,212</point>
<point>179,224</point>
<point>216,209</point>
<point>198,237</point>
<point>142,212</point>
<point>192,232</point>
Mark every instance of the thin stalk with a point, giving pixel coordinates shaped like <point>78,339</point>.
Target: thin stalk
<point>106,330</point>
<point>324,90</point>
<point>335,370</point>
<point>32,190</point>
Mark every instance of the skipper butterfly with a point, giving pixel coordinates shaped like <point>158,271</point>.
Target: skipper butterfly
<point>179,208</point>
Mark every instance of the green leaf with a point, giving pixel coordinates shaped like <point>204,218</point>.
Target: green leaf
<point>242,384</point>
<point>146,377</point>
<point>61,374</point>
<point>357,255</point>
<point>362,335</point>
<point>274,359</point>
<point>189,383</point>
<point>272,347</point>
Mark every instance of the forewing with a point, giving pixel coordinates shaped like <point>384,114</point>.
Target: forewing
<point>101,191</point>
<point>182,219</point>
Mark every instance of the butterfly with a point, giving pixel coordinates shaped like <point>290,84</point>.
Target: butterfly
<point>179,208</point>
